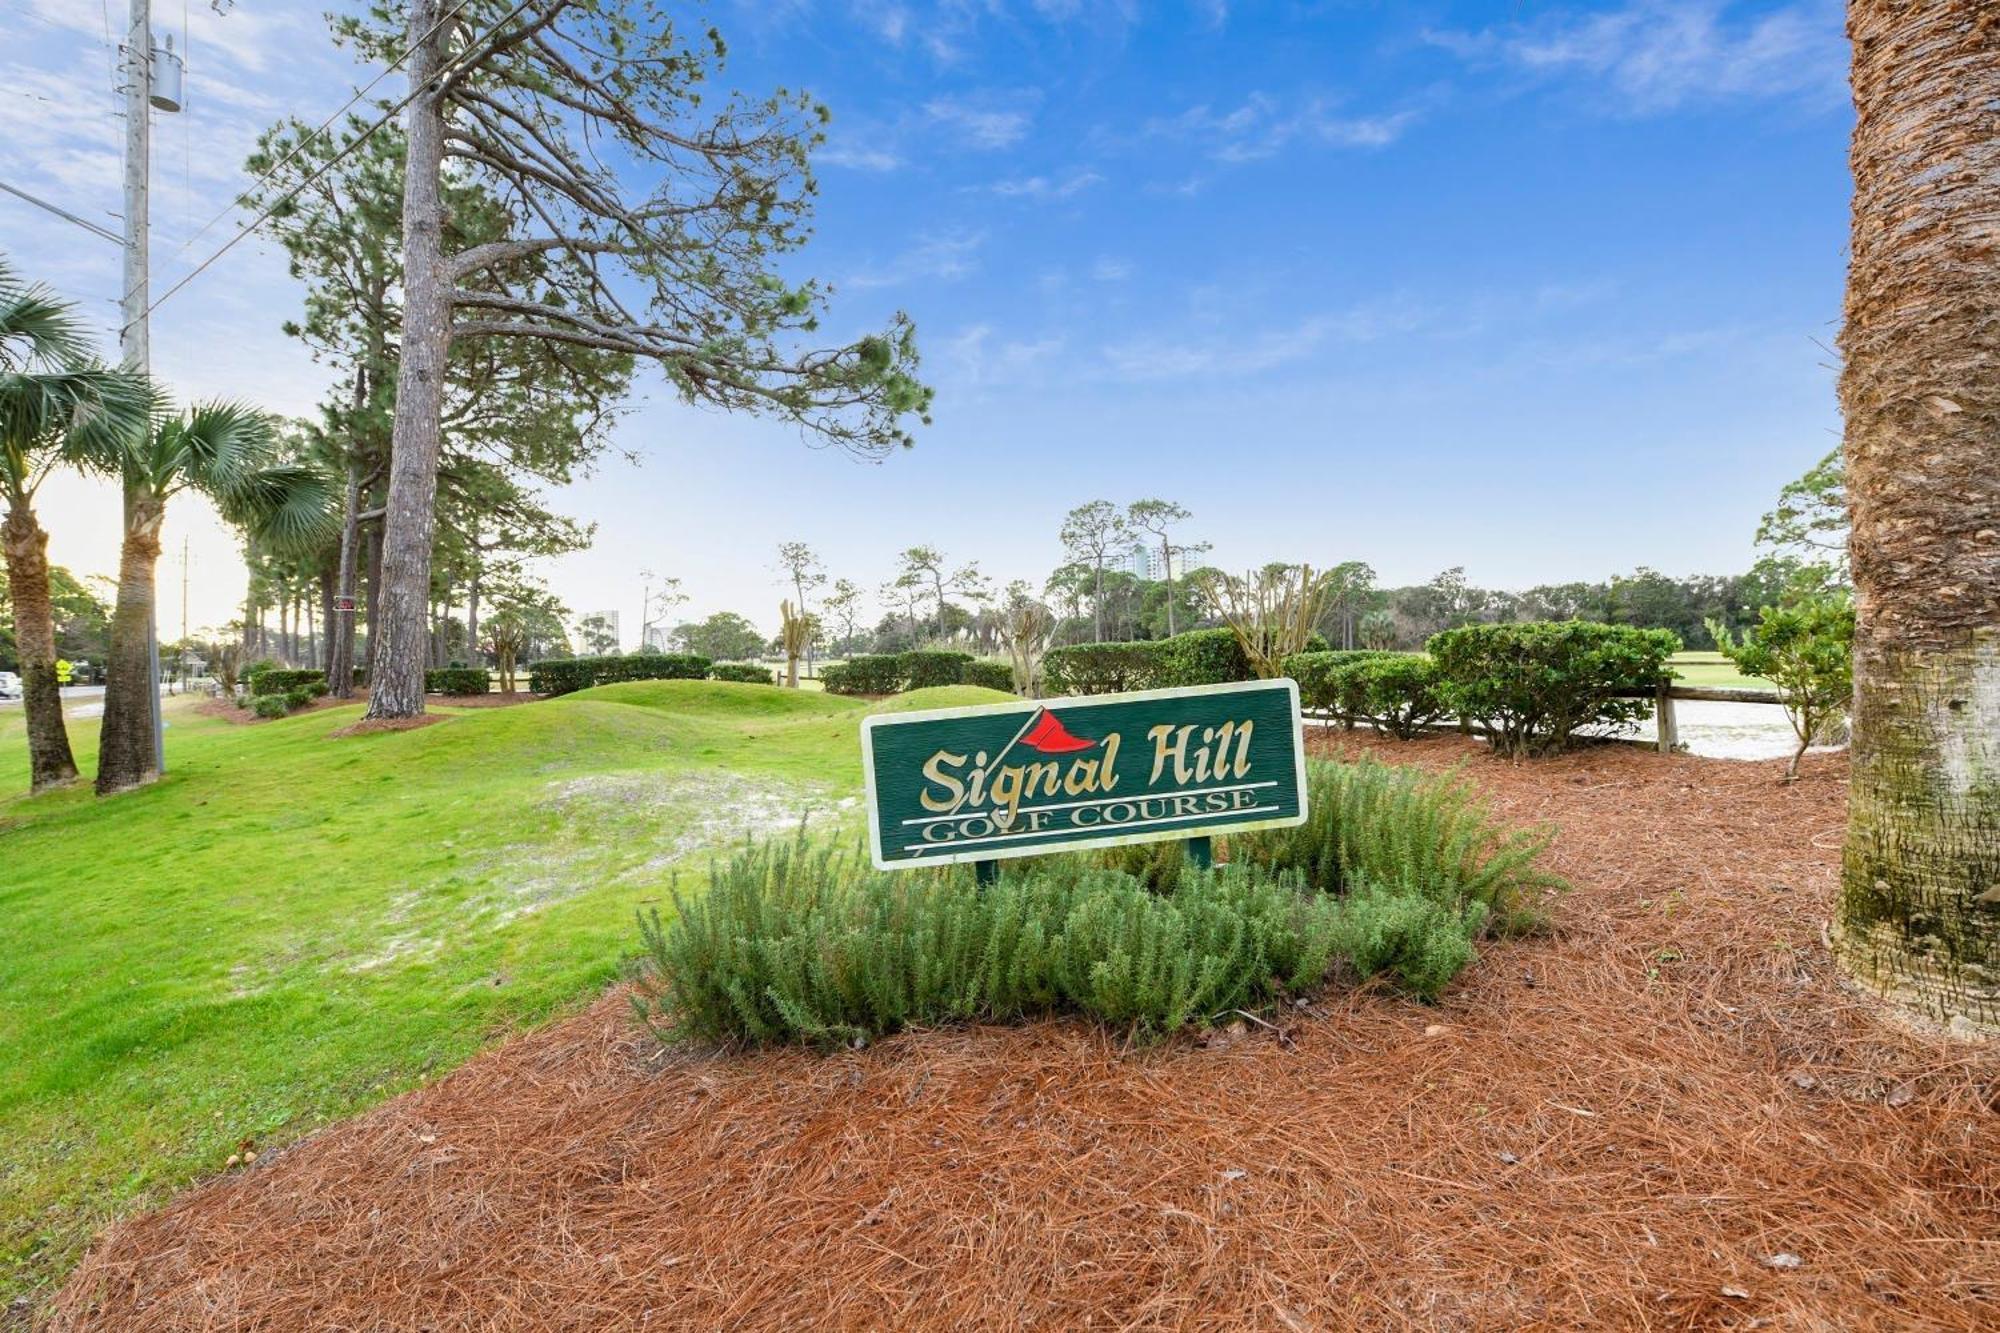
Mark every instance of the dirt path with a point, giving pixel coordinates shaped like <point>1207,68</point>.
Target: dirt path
<point>1667,1116</point>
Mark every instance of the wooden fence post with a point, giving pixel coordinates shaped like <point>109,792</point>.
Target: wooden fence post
<point>1663,713</point>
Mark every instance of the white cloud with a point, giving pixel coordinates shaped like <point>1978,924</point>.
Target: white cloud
<point>937,258</point>
<point>1658,55</point>
<point>981,359</point>
<point>980,124</point>
<point>1108,269</point>
<point>1046,187</point>
<point>1263,125</point>
<point>859,157</point>
<point>1256,351</point>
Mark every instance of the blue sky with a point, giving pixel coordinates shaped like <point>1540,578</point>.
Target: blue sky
<point>1543,291</point>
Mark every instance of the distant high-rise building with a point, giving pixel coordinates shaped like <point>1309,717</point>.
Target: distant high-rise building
<point>1137,560</point>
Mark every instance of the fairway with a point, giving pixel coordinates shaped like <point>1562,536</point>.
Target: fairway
<point>1711,668</point>
<point>290,927</point>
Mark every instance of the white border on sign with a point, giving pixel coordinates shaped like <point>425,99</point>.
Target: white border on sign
<point>873,720</point>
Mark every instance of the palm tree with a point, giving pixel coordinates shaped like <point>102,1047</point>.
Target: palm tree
<point>1918,919</point>
<point>229,453</point>
<point>56,405</point>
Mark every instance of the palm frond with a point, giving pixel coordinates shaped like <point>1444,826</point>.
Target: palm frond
<point>286,507</point>
<point>37,328</point>
<point>88,417</point>
<point>215,448</point>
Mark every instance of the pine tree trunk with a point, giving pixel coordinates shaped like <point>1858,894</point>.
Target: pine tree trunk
<point>26,546</point>
<point>374,539</point>
<point>472,657</point>
<point>396,682</point>
<point>1919,912</point>
<point>125,756</point>
<point>340,622</point>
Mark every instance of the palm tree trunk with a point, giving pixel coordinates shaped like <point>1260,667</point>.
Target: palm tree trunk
<point>26,546</point>
<point>396,682</point>
<point>1918,919</point>
<point>125,757</point>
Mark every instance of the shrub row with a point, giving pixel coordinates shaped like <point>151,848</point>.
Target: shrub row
<point>563,675</point>
<point>1535,685</point>
<point>278,680</point>
<point>457,680</point>
<point>892,673</point>
<point>1198,657</point>
<point>988,675</point>
<point>743,673</point>
<point>1397,873</point>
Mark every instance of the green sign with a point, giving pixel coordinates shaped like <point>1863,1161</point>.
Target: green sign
<point>1020,779</point>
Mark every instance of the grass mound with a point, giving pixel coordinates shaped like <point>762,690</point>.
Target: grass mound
<point>716,699</point>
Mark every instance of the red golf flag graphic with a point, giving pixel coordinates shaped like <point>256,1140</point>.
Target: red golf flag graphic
<point>1048,736</point>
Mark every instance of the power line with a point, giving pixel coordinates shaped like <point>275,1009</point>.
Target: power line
<point>327,166</point>
<point>65,214</point>
<point>324,125</point>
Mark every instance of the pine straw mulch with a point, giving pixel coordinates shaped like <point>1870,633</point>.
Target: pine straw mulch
<point>1636,1123</point>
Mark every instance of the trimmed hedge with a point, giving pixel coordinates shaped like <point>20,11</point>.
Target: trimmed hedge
<point>990,675</point>
<point>1535,684</point>
<point>1201,657</point>
<point>870,673</point>
<point>742,673</point>
<point>924,668</point>
<point>270,705</point>
<point>1315,674</point>
<point>650,666</point>
<point>458,680</point>
<point>1398,692</point>
<point>1198,657</point>
<point>563,675</point>
<point>278,680</point>
<point>1101,668</point>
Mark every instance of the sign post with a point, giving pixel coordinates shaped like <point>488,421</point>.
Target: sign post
<point>988,783</point>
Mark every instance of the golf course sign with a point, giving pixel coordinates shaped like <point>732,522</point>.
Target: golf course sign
<point>1021,779</point>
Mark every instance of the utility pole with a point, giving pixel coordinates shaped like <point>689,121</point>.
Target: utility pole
<point>134,342</point>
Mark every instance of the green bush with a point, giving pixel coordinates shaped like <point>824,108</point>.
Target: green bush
<point>650,666</point>
<point>876,673</point>
<point>249,671</point>
<point>270,705</point>
<point>563,675</point>
<point>299,696</point>
<point>277,680</point>
<point>789,942</point>
<point>1397,692</point>
<point>1314,673</point>
<point>1102,668</point>
<point>989,675</point>
<point>458,680</point>
<point>1420,942</point>
<point>1202,657</point>
<point>1397,873</point>
<point>1537,683</point>
<point>1408,833</point>
<point>1806,649</point>
<point>743,673</point>
<point>925,667</point>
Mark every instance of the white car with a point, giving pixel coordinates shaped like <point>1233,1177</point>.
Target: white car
<point>10,685</point>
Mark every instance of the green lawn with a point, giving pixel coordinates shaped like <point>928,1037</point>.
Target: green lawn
<point>291,927</point>
<point>1713,669</point>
